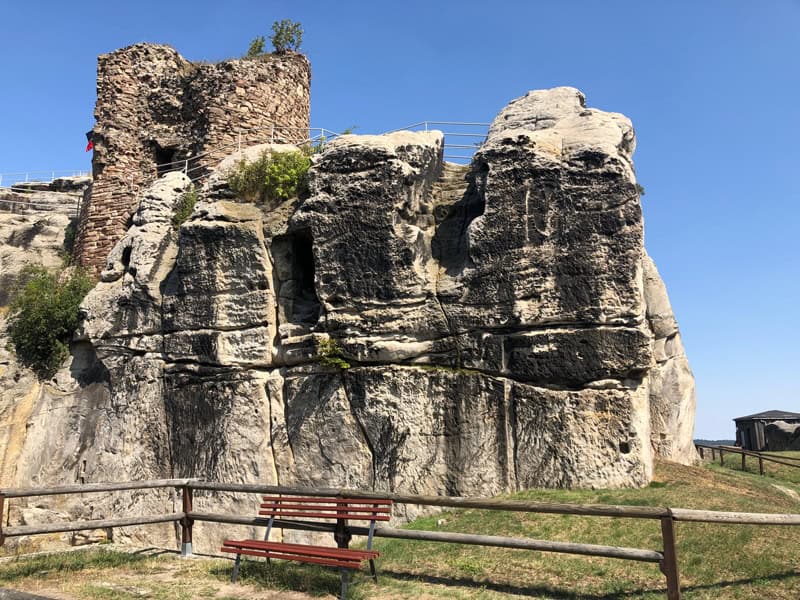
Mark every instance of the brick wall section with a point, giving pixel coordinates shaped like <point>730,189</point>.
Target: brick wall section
<point>153,105</point>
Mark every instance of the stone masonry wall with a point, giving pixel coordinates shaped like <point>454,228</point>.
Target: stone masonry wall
<point>155,107</point>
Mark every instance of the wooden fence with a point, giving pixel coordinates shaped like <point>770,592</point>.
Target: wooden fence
<point>787,461</point>
<point>665,557</point>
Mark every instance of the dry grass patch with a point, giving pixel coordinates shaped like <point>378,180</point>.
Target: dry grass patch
<point>106,574</point>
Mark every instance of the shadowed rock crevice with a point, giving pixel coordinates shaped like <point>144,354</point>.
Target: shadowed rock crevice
<point>293,260</point>
<point>450,243</point>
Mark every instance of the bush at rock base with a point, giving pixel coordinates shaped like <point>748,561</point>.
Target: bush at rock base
<point>44,315</point>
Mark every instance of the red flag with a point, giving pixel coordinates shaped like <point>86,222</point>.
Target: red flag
<point>89,146</point>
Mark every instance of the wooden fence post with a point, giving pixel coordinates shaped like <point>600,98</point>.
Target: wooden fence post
<point>713,453</point>
<point>721,458</point>
<point>701,452</point>
<point>2,516</point>
<point>744,465</point>
<point>669,565</point>
<point>186,522</point>
<point>760,465</point>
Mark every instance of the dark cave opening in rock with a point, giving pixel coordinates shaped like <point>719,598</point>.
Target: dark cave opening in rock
<point>293,255</point>
<point>126,257</point>
<point>166,160</point>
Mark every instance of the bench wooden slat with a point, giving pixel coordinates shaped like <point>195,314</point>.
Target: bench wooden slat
<point>327,500</point>
<point>305,549</point>
<point>316,515</point>
<point>338,507</point>
<point>328,562</point>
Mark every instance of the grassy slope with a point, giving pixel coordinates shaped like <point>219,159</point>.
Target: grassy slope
<point>717,561</point>
<point>776,471</point>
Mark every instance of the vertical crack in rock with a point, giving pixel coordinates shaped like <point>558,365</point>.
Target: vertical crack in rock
<point>364,433</point>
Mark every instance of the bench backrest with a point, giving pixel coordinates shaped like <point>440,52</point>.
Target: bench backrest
<point>350,509</point>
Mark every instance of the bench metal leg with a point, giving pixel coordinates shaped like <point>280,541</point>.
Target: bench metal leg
<point>372,570</point>
<point>235,575</point>
<point>345,578</point>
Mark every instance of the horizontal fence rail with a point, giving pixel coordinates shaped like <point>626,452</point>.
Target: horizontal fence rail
<point>762,457</point>
<point>601,510</point>
<point>666,557</point>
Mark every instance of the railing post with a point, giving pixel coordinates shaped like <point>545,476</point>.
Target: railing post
<point>669,564</point>
<point>744,465</point>
<point>702,456</point>
<point>713,454</point>
<point>721,458</point>
<point>186,522</point>
<point>760,466</point>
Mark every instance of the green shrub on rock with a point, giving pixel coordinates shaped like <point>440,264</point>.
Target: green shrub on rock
<point>70,233</point>
<point>43,316</point>
<point>330,354</point>
<point>185,206</point>
<point>256,47</point>
<point>272,178</point>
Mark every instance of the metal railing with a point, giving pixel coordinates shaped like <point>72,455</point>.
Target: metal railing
<point>665,557</point>
<point>466,136</point>
<point>9,180</point>
<point>461,138</point>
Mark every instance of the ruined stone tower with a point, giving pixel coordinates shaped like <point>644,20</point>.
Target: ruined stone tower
<point>158,112</point>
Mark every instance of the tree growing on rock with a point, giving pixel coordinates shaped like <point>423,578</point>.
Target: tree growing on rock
<point>286,35</point>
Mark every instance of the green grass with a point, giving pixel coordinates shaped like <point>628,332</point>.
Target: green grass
<point>716,561</point>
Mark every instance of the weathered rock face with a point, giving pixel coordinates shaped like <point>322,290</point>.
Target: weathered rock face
<point>672,393</point>
<point>504,327</point>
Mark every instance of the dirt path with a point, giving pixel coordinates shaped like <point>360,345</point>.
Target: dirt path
<point>166,577</point>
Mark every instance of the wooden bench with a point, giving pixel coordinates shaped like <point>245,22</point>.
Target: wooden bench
<point>318,509</point>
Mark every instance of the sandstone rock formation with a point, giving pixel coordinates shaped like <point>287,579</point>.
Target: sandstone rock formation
<point>672,393</point>
<point>503,325</point>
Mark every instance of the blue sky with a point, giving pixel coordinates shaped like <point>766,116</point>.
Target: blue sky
<point>712,87</point>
